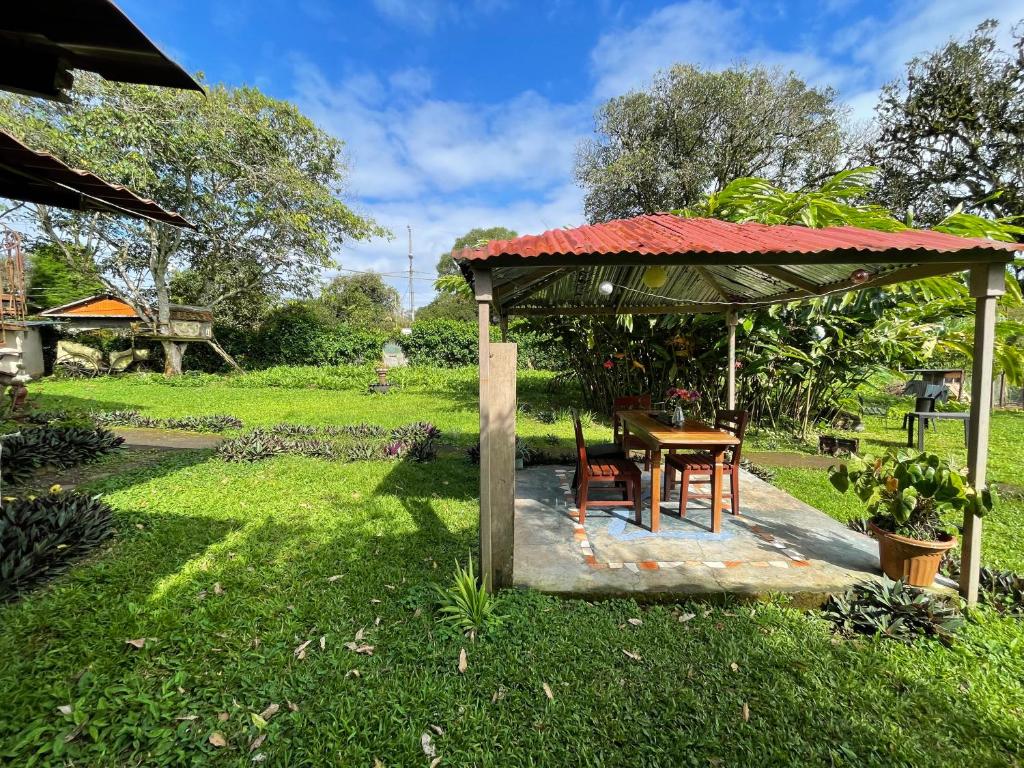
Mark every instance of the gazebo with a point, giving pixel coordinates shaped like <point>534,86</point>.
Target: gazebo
<point>705,266</point>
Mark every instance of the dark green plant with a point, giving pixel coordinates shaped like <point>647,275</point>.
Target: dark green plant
<point>42,535</point>
<point>893,610</point>
<point>466,604</point>
<point>293,430</point>
<point>362,450</point>
<point>253,446</point>
<point>59,447</point>
<point>908,492</point>
<point>418,430</point>
<point>357,430</point>
<point>422,449</point>
<point>123,419</point>
<point>217,422</point>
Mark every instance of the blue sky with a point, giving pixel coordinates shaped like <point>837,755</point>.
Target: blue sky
<point>463,114</point>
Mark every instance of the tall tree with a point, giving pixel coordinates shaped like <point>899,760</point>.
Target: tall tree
<point>453,300</point>
<point>693,131</point>
<point>952,131</point>
<point>476,236</point>
<point>363,300</point>
<point>261,182</point>
<point>52,281</point>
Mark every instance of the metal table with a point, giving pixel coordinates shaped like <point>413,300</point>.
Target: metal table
<point>922,417</point>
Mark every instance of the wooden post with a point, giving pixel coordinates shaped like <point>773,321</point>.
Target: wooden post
<point>987,285</point>
<point>482,286</point>
<point>731,319</point>
<point>503,325</point>
<point>502,465</point>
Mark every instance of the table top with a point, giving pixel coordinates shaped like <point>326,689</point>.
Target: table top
<point>941,414</point>
<point>692,433</point>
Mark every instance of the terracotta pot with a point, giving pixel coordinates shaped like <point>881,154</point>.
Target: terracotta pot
<point>913,560</point>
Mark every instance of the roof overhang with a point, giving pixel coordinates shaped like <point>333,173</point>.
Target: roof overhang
<point>710,265</point>
<point>43,40</point>
<point>38,177</point>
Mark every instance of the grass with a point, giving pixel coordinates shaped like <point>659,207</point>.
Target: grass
<point>273,534</point>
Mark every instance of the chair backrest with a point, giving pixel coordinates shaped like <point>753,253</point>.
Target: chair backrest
<point>735,423</point>
<point>915,387</point>
<point>627,403</point>
<point>924,404</point>
<point>581,446</point>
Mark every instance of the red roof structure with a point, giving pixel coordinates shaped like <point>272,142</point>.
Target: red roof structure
<point>39,177</point>
<point>709,265</point>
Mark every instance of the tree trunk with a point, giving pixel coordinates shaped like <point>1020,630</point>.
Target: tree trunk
<point>174,351</point>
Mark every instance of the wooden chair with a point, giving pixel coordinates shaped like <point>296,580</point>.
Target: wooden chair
<point>630,443</point>
<point>620,474</point>
<point>699,468</point>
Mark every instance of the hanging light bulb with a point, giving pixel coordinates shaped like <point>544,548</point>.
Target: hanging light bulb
<point>606,288</point>
<point>859,276</point>
<point>655,277</point>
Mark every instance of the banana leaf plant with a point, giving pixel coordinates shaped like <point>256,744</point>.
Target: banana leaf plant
<point>910,493</point>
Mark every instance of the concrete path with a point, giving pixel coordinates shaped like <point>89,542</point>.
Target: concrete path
<point>777,544</point>
<point>142,437</point>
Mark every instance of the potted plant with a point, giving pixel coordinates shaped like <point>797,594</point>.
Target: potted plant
<point>679,401</point>
<point>908,494</point>
<point>523,453</point>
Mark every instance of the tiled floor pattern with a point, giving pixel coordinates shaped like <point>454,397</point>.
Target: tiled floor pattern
<point>786,555</point>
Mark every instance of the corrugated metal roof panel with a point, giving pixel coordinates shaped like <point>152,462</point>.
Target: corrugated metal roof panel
<point>665,234</point>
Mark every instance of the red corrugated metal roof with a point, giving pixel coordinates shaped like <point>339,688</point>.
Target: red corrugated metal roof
<point>665,233</point>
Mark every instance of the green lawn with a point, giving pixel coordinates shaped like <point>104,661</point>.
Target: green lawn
<point>272,534</point>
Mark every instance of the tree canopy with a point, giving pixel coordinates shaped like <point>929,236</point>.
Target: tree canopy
<point>693,131</point>
<point>51,281</point>
<point>261,182</point>
<point>952,131</point>
<point>363,300</point>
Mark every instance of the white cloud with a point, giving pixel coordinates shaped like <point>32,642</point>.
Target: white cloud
<point>426,15</point>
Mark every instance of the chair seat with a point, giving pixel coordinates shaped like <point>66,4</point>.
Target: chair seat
<point>700,462</point>
<point>604,468</point>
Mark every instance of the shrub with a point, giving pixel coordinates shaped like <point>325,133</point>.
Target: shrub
<point>420,430</point>
<point>252,446</point>
<point>40,536</point>
<point>445,343</point>
<point>361,450</point>
<point>466,604</point>
<point>122,419</point>
<point>59,447</point>
<point>305,333</point>
<point>894,610</point>
<point>422,449</point>
<point>218,422</point>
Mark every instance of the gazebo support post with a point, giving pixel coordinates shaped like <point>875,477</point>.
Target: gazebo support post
<point>731,319</point>
<point>988,283</point>
<point>497,445</point>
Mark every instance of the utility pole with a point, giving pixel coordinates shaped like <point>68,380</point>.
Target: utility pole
<point>412,296</point>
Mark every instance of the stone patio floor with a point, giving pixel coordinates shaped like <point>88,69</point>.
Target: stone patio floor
<point>777,544</point>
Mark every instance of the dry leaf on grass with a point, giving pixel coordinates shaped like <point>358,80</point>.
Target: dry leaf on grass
<point>257,742</point>
<point>635,622</point>
<point>633,656</point>
<point>547,692</point>
<point>271,710</point>
<point>217,739</point>
<point>746,712</point>
<point>137,643</point>
<point>684,617</point>
<point>222,716</point>
<point>463,662</point>
<point>359,634</point>
<point>435,762</point>
<point>292,707</point>
<point>217,588</point>
<point>437,729</point>
<point>300,651</point>
<point>734,667</point>
<point>334,578</point>
<point>376,622</point>
<point>375,601</point>
<point>428,745</point>
<point>323,642</point>
<point>377,763</point>
<point>65,709</point>
<point>353,673</point>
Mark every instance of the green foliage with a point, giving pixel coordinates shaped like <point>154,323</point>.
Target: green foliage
<point>695,130</point>
<point>41,535</point>
<point>52,281</point>
<point>441,342</point>
<point>306,333</point>
<point>466,604</point>
<point>363,301</point>
<point>473,239</point>
<point>216,422</point>
<point>895,611</point>
<point>351,442</point>
<point>947,134</point>
<point>909,492</point>
<point>59,447</point>
<point>458,306</point>
<point>258,179</point>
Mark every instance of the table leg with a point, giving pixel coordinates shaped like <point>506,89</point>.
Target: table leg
<point>921,422</point>
<point>655,491</point>
<point>909,418</point>
<point>716,495</point>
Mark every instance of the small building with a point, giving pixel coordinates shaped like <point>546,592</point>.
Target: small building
<point>952,378</point>
<point>21,350</point>
<point>106,311</point>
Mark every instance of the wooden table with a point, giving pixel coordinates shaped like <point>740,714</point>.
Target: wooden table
<point>923,417</point>
<point>693,434</point>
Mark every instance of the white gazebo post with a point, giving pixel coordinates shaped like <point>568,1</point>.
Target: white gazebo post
<point>731,319</point>
<point>988,283</point>
<point>497,444</point>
